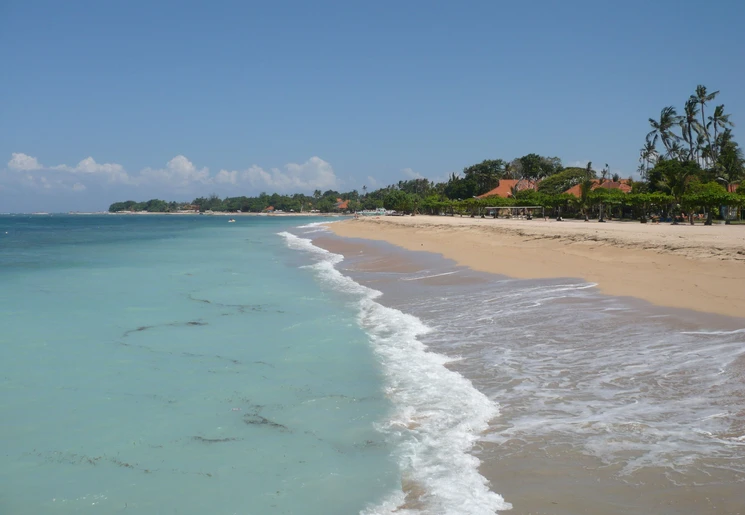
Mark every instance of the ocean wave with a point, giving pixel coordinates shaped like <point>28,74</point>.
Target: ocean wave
<point>438,414</point>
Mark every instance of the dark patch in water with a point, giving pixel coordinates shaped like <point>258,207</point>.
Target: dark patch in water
<point>254,419</point>
<point>151,396</point>
<point>71,458</point>
<point>203,301</point>
<point>191,323</point>
<point>240,308</point>
<point>214,440</point>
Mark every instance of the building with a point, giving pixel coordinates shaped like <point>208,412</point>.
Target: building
<point>623,185</point>
<point>508,187</point>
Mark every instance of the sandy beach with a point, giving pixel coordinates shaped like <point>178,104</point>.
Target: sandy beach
<point>680,266</point>
<point>645,418</point>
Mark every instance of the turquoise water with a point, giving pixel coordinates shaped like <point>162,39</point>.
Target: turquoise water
<point>155,364</point>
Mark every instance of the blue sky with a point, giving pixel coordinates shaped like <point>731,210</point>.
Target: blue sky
<point>106,101</point>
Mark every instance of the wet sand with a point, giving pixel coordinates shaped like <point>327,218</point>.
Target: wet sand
<point>691,267</point>
<point>544,475</point>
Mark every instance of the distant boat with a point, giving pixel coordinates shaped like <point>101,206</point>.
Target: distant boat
<point>231,220</point>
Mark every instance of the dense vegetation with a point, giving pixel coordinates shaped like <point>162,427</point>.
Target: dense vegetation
<point>696,170</point>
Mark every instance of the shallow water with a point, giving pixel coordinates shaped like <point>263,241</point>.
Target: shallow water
<point>181,365</point>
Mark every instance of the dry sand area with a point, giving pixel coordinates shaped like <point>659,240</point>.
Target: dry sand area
<point>681,266</point>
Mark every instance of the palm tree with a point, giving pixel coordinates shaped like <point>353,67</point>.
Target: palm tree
<point>719,121</point>
<point>689,123</point>
<point>702,96</point>
<point>703,150</point>
<point>662,128</point>
<point>648,154</point>
<point>512,169</point>
<point>676,151</point>
<point>642,169</point>
<point>730,165</point>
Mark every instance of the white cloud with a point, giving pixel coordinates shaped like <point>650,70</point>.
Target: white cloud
<point>179,172</point>
<point>411,174</point>
<point>114,172</point>
<point>226,177</point>
<point>23,162</point>
<point>314,174</point>
<point>372,181</point>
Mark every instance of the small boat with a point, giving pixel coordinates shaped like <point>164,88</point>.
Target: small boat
<point>231,220</point>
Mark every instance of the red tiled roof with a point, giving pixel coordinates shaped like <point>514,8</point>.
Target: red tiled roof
<point>342,204</point>
<point>622,185</point>
<point>505,187</point>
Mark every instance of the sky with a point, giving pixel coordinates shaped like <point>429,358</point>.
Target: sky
<point>109,101</point>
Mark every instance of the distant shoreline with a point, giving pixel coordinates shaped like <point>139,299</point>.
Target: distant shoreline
<point>217,213</point>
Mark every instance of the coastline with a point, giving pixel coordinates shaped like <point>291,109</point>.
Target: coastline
<point>624,418</point>
<point>215,213</point>
<point>697,268</point>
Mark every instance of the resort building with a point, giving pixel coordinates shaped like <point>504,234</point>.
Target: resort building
<point>508,187</point>
<point>622,184</point>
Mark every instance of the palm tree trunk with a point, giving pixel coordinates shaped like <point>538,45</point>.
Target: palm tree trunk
<point>703,126</point>
<point>690,143</point>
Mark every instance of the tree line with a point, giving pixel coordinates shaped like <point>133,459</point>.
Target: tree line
<point>689,163</point>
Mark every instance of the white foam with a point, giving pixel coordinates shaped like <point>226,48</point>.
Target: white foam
<point>315,225</point>
<point>438,414</point>
<point>593,374</point>
<point>428,276</point>
<point>715,333</point>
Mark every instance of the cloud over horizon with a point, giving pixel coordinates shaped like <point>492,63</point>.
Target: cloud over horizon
<point>179,175</point>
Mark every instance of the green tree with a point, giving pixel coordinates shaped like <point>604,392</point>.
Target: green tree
<point>485,175</point>
<point>563,180</point>
<point>710,196</point>
<point>689,124</point>
<point>702,96</point>
<point>730,167</point>
<point>662,129</point>
<point>717,121</point>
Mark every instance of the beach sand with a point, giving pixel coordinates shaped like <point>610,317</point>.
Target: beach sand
<point>543,470</point>
<point>681,266</point>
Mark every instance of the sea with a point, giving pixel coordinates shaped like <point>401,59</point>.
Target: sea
<point>164,364</point>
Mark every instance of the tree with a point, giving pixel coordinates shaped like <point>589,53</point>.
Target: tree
<point>647,155</point>
<point>485,175</point>
<point>709,196</point>
<point>672,177</point>
<point>644,202</point>
<point>717,121</point>
<point>563,180</point>
<point>460,188</point>
<point>534,167</point>
<point>730,167</point>
<point>400,201</point>
<point>662,128</point>
<point>702,96</point>
<point>689,124</point>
